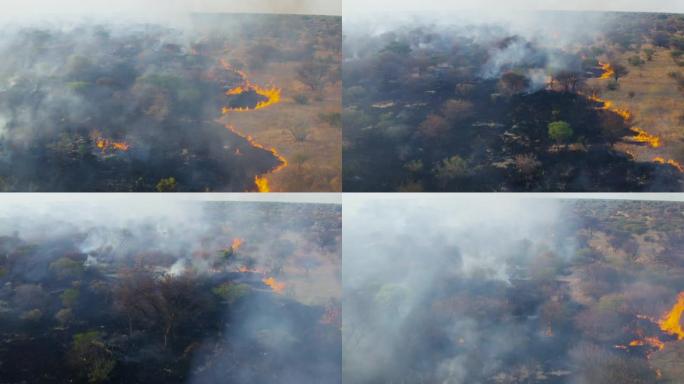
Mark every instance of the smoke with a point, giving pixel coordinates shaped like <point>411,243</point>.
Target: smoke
<point>506,6</point>
<point>412,265</point>
<point>534,44</point>
<point>72,87</point>
<point>159,8</point>
<point>272,333</point>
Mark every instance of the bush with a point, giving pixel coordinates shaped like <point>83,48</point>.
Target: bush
<point>65,267</point>
<point>301,99</point>
<point>635,61</point>
<point>560,131</point>
<point>32,315</point>
<point>91,356</point>
<point>231,292</point>
<point>449,169</point>
<point>613,86</point>
<point>167,185</point>
<point>69,297</point>
<point>64,315</point>
<point>332,118</point>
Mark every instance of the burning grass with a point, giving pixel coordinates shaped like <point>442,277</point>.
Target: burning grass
<point>175,304</point>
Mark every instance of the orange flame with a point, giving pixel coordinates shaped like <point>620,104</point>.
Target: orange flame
<point>609,106</point>
<point>608,71</point>
<point>272,96</point>
<point>671,322</point>
<point>104,144</point>
<point>262,184</point>
<point>235,245</point>
<point>244,269</point>
<point>645,137</point>
<point>652,341</point>
<point>275,285</point>
<point>260,181</point>
<point>674,163</point>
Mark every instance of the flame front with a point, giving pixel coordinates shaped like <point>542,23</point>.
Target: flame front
<point>652,341</point>
<point>674,163</point>
<point>608,71</point>
<point>104,144</point>
<point>235,245</point>
<point>261,184</point>
<point>645,137</point>
<point>275,285</point>
<point>671,322</point>
<point>272,96</point>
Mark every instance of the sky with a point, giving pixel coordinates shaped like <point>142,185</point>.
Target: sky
<point>155,7</point>
<point>364,6</point>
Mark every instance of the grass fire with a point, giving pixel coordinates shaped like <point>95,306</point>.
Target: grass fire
<point>508,290</point>
<point>196,292</point>
<point>538,101</point>
<point>132,105</point>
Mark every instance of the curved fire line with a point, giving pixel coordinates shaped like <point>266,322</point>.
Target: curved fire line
<point>272,96</point>
<point>641,136</point>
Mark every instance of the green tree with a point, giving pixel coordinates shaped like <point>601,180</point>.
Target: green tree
<point>167,185</point>
<point>649,52</point>
<point>69,297</point>
<point>231,292</point>
<point>90,355</point>
<point>560,131</point>
<point>450,168</point>
<point>65,267</point>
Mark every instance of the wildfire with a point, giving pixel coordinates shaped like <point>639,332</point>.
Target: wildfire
<point>275,285</point>
<point>235,245</point>
<point>608,71</point>
<point>652,341</point>
<point>244,269</point>
<point>260,181</point>
<point>272,96</point>
<point>104,144</point>
<point>674,163</point>
<point>645,137</point>
<point>610,106</point>
<point>671,322</point>
<point>261,184</point>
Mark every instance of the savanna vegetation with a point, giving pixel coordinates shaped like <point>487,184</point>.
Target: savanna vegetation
<point>561,101</point>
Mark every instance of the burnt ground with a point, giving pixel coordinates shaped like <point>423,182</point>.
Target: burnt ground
<point>157,89</point>
<point>122,313</point>
<point>422,112</point>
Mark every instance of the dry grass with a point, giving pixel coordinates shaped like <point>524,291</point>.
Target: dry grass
<point>657,104</point>
<point>321,172</point>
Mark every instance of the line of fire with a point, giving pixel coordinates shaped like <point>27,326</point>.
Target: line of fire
<point>504,289</point>
<point>172,292</point>
<point>217,103</point>
<point>526,102</point>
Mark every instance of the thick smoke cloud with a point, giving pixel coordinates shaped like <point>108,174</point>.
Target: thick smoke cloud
<point>517,39</point>
<point>415,252</point>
